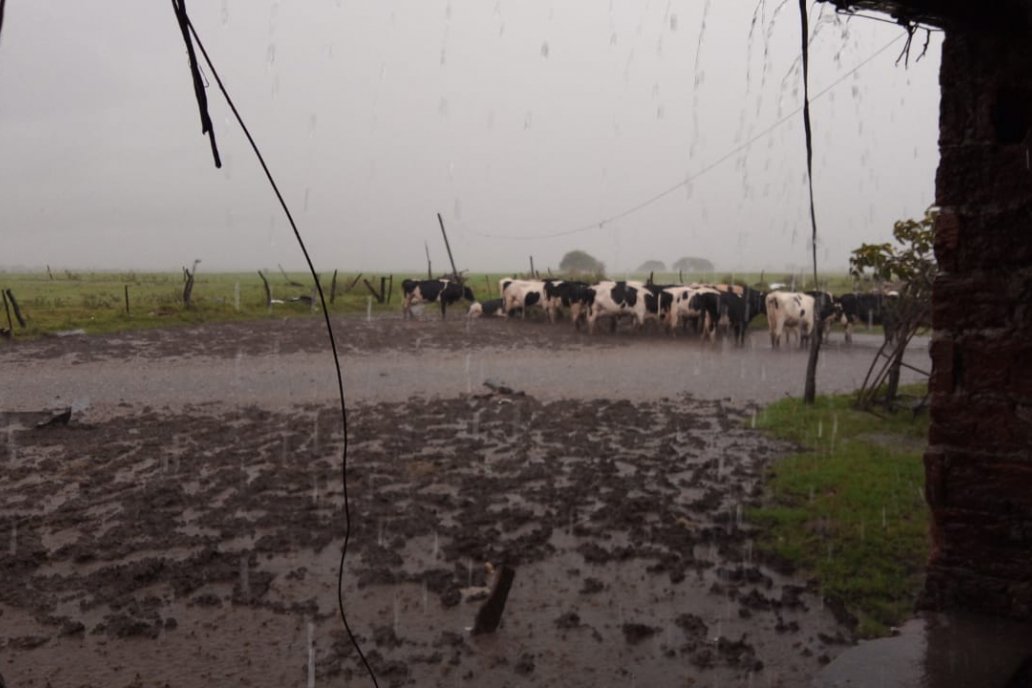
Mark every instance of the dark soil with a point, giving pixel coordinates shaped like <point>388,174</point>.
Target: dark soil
<point>200,544</point>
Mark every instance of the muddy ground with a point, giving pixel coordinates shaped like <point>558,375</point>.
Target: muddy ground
<point>185,527</point>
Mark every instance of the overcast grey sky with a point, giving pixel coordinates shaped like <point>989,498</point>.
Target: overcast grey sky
<point>514,119</point>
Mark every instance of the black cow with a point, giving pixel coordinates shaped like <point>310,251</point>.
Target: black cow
<point>443,291</point>
<point>828,310</point>
<point>867,309</point>
<point>658,301</point>
<point>708,304</point>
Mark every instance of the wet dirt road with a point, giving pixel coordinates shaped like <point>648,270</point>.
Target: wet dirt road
<point>185,528</point>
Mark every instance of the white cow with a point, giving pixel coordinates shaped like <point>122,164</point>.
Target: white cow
<point>787,311</point>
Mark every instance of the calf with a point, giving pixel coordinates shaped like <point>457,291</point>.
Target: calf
<point>490,307</point>
<point>789,311</point>
<point>443,291</point>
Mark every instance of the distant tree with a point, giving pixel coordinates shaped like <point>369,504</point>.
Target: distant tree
<point>652,266</point>
<point>692,264</point>
<point>580,261</point>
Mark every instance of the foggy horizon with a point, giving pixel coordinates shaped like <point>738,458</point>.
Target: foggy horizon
<point>513,122</point>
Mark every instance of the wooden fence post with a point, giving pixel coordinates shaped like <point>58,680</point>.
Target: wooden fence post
<point>333,287</point>
<point>14,305</point>
<point>7,308</point>
<point>268,293</point>
<point>126,299</point>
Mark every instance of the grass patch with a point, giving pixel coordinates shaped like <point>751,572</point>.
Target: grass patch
<point>95,301</point>
<point>849,508</point>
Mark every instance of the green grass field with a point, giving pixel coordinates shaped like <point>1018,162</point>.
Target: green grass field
<point>96,301</point>
<point>849,507</point>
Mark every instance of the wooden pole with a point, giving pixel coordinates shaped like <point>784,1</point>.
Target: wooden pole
<point>532,273</point>
<point>14,305</point>
<point>429,272</point>
<point>455,273</point>
<point>7,307</point>
<point>333,287</point>
<point>390,287</point>
<point>268,293</point>
<point>126,299</point>
<point>383,289</point>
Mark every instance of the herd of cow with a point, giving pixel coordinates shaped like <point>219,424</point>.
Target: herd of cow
<point>708,306</point>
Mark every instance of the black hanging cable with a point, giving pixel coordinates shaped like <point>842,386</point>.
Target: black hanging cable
<point>2,3</point>
<point>329,330</point>
<point>179,7</point>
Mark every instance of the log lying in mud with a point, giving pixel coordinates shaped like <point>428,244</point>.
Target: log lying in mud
<point>490,613</point>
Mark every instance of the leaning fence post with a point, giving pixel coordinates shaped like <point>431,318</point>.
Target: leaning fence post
<point>14,305</point>
<point>126,299</point>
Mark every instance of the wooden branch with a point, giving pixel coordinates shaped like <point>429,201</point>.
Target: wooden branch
<point>372,290</point>
<point>287,278</point>
<point>490,613</point>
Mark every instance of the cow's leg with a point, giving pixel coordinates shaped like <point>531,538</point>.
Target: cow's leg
<point>444,308</point>
<point>849,332</point>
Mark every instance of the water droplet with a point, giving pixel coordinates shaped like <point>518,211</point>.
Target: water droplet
<point>544,50</point>
<point>270,54</point>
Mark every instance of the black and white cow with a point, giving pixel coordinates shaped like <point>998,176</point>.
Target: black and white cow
<point>486,308</point>
<point>568,294</point>
<point>787,311</point>
<point>685,306</point>
<point>445,292</point>
<point>615,299</point>
<point>738,306</point>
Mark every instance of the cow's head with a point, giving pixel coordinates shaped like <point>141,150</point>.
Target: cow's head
<point>467,294</point>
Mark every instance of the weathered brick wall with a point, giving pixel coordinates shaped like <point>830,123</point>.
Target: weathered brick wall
<point>979,460</point>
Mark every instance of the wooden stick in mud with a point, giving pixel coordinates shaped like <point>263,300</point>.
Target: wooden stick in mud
<point>490,613</point>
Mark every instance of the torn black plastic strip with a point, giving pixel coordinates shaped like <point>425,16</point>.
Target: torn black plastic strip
<point>179,7</point>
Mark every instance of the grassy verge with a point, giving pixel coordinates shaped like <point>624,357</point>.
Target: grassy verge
<point>96,301</point>
<point>849,507</point>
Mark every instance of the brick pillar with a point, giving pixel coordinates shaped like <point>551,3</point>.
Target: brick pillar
<point>979,460</point>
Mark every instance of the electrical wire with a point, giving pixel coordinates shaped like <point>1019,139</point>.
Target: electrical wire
<point>333,346</point>
<point>599,224</point>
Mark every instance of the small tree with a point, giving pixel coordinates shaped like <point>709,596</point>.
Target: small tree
<point>581,262</point>
<point>652,266</point>
<point>910,264</point>
<point>692,264</point>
